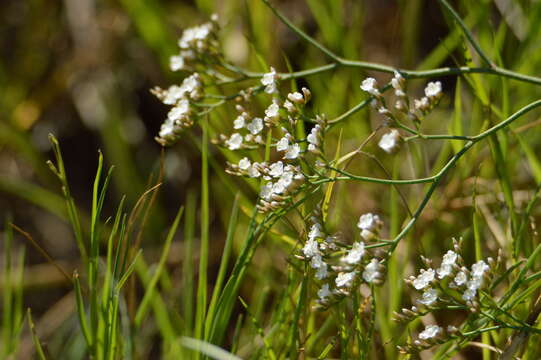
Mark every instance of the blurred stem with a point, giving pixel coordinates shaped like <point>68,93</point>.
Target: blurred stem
<point>203,259</point>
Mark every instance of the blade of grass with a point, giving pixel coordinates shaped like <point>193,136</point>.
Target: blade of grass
<point>73,215</point>
<point>188,262</point>
<point>231,230</point>
<point>39,349</point>
<point>151,287</point>
<point>81,311</point>
<point>201,304</point>
<point>208,349</point>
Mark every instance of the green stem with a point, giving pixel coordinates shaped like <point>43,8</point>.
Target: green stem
<point>467,32</point>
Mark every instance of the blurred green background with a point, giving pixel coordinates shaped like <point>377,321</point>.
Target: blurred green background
<point>82,70</point>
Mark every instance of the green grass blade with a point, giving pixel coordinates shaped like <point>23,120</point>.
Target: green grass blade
<point>128,272</point>
<point>151,287</point>
<point>231,230</point>
<point>37,344</point>
<point>60,171</point>
<point>81,311</point>
<point>201,306</point>
<point>188,262</point>
<point>208,349</point>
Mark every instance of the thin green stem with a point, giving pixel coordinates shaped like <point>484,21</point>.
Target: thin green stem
<point>467,32</point>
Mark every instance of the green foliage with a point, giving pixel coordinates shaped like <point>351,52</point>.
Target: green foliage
<point>234,284</point>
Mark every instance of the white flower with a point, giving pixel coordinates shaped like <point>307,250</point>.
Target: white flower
<point>234,142</point>
<point>266,191</point>
<point>253,171</point>
<point>355,255</point>
<point>322,272</point>
<point>389,141</point>
<point>293,151</point>
<point>276,169</point>
<point>288,105</point>
<point>474,283</point>
<point>167,129</point>
<point>244,163</point>
<point>449,258</point>
<point>383,111</point>
<point>371,272</point>
<point>446,268</point>
<point>176,62</point>
<point>461,278</point>
<point>317,262</point>
<point>239,122</point>
<point>397,81</point>
<point>324,292</point>
<point>479,268</point>
<point>284,181</point>
<point>345,279</point>
<point>269,80</point>
<point>469,294</point>
<point>279,187</point>
<point>180,110</point>
<point>429,297</point>
<point>433,89</point>
<point>311,248</point>
<point>192,86</point>
<point>172,95</point>
<point>369,222</point>
<point>296,97</point>
<point>255,126</point>
<point>315,232</point>
<point>282,144</point>
<point>422,104</point>
<point>370,86</point>
<point>195,37</point>
<point>313,138</point>
<point>444,271</point>
<point>367,234</point>
<point>272,112</point>
<point>424,279</point>
<point>431,331</point>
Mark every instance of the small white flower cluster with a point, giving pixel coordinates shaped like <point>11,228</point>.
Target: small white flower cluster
<point>370,85</point>
<point>450,284</point>
<point>254,127</point>
<point>285,181</point>
<point>270,81</point>
<point>284,177</point>
<point>430,332</point>
<point>470,282</point>
<point>196,42</point>
<point>314,251</point>
<point>288,146</point>
<point>370,225</point>
<point>430,336</point>
<point>354,267</point>
<point>248,131</point>
<point>315,137</point>
<point>282,180</point>
<point>466,281</point>
<point>432,96</point>
<point>390,141</point>
<point>181,115</point>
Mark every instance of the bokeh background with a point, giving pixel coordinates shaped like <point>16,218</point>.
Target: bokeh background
<point>82,70</point>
